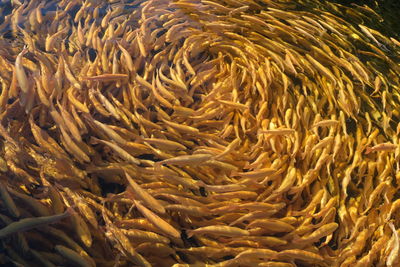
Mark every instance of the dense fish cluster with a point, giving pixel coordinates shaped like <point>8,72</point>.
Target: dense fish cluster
<point>198,133</point>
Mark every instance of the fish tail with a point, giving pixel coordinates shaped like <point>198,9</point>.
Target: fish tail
<point>234,173</point>
<point>189,233</point>
<point>368,150</point>
<point>296,239</point>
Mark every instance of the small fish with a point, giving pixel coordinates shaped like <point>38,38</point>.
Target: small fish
<point>30,223</point>
<point>8,201</point>
<point>109,131</point>
<point>72,147</point>
<point>121,152</point>
<point>21,76</point>
<point>389,147</point>
<point>279,131</point>
<point>127,57</point>
<point>324,230</point>
<point>106,77</point>
<point>182,127</point>
<point>140,235</point>
<point>367,32</point>
<point>186,159</point>
<point>322,69</point>
<point>50,40</point>
<point>219,230</point>
<point>157,221</point>
<point>142,194</point>
<point>394,251</point>
<point>78,105</point>
<point>259,253</point>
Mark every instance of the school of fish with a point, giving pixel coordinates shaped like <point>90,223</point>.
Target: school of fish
<point>198,133</point>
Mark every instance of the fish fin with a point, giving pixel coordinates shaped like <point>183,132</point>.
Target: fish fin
<point>157,166</point>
